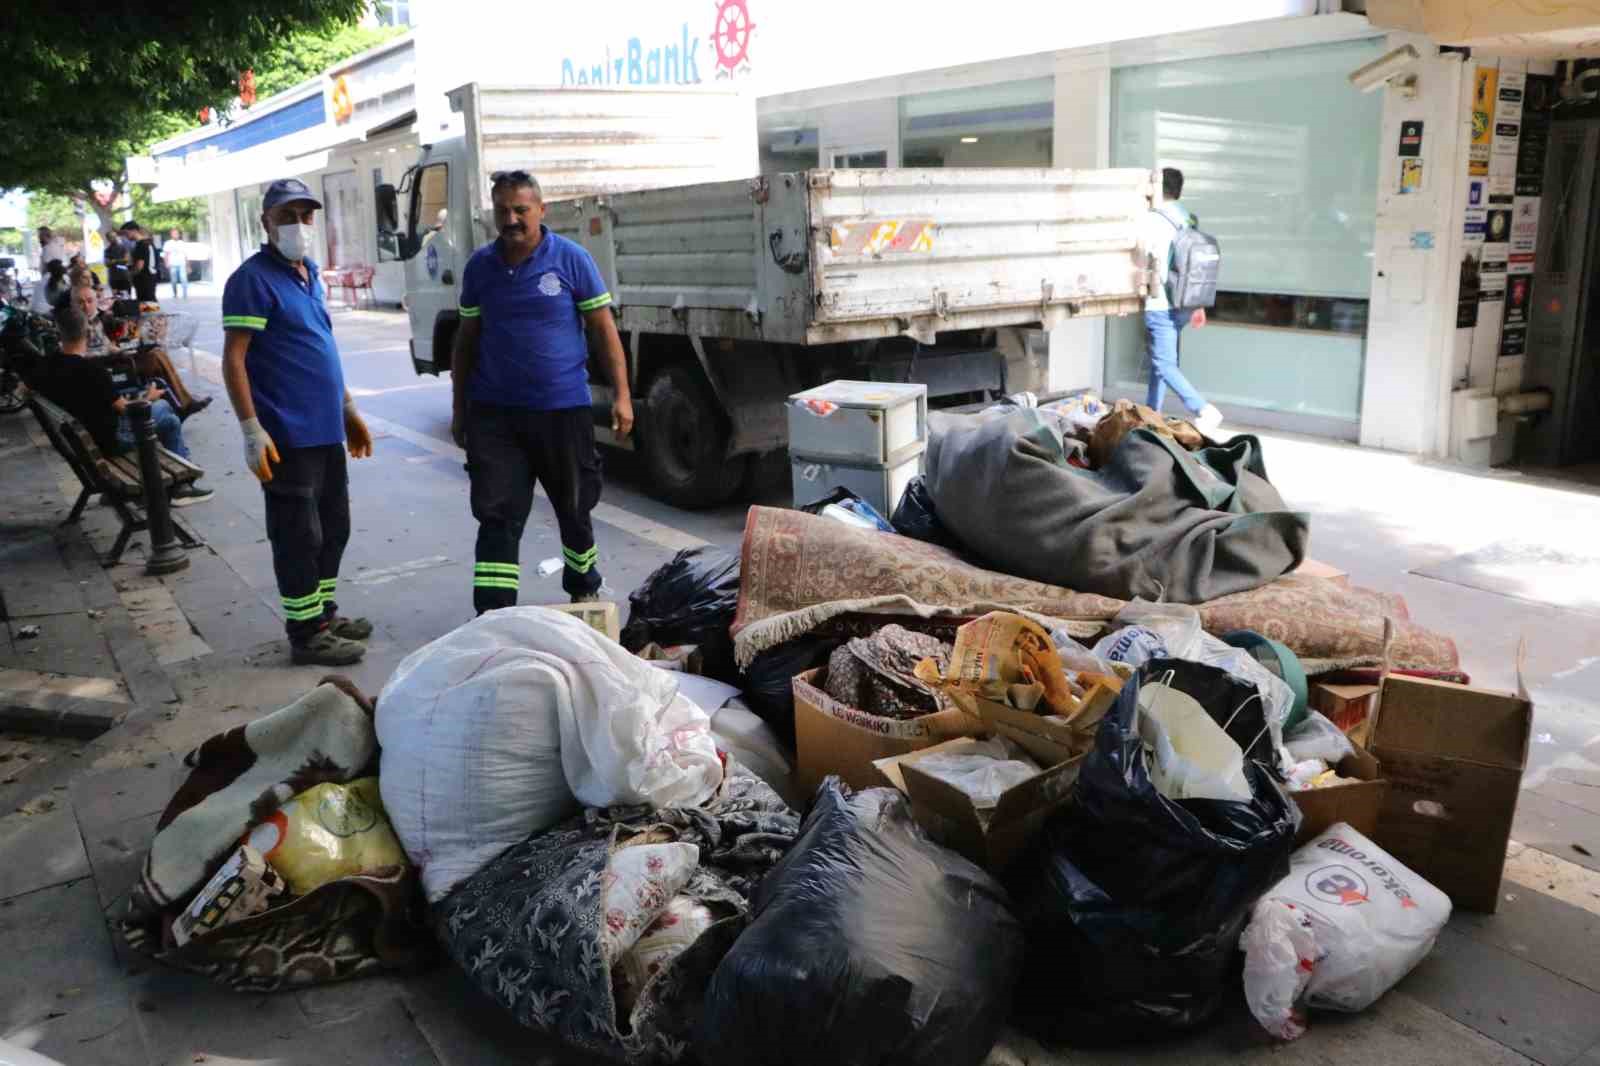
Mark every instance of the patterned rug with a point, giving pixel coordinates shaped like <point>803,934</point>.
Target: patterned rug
<point>800,571</point>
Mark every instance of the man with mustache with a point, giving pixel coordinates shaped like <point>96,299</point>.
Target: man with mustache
<point>529,303</point>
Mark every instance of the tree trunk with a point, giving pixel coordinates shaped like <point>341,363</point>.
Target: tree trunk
<point>107,221</point>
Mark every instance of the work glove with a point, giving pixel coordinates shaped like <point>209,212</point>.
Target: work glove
<point>259,451</point>
<point>357,437</point>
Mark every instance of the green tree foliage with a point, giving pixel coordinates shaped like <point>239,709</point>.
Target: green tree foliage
<point>305,55</point>
<point>163,218</point>
<point>53,210</point>
<point>89,83</point>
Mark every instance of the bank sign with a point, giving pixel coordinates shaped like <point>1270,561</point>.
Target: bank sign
<point>687,54</point>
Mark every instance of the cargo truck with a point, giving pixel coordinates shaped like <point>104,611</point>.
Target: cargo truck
<point>733,294</point>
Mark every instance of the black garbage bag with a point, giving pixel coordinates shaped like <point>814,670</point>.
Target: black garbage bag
<point>1133,903</point>
<point>690,600</point>
<point>914,516</point>
<point>1233,703</point>
<point>768,682</point>
<point>869,946</point>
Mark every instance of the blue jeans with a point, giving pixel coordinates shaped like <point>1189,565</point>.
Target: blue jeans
<point>1161,329</point>
<point>179,275</point>
<point>169,429</point>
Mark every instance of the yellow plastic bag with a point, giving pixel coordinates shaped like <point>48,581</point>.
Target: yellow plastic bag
<point>327,832</point>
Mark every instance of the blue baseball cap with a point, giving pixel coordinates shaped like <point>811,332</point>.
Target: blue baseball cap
<point>287,190</point>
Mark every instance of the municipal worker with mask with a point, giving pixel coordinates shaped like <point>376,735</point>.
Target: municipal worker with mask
<point>283,374</point>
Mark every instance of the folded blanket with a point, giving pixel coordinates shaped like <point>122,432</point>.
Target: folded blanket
<point>800,571</point>
<point>240,776</point>
<point>1155,521</point>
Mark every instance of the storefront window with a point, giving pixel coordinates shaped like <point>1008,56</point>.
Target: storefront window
<point>1280,164</point>
<point>341,199</point>
<point>787,144</point>
<point>1006,125</point>
<point>251,235</point>
<point>388,238</point>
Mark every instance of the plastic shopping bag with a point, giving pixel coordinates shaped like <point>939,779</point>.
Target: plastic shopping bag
<point>1191,756</point>
<point>1346,924</point>
<point>327,832</point>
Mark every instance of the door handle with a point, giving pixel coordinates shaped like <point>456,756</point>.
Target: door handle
<point>448,277</point>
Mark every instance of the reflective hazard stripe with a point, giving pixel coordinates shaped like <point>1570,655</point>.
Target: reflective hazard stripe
<point>482,582</point>
<point>581,562</point>
<point>326,587</point>
<point>497,568</point>
<point>243,322</point>
<point>496,576</point>
<point>469,312</point>
<point>599,301</point>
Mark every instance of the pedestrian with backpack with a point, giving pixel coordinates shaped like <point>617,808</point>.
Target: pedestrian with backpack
<point>1185,263</point>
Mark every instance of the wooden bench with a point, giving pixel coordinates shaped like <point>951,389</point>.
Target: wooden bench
<point>115,478</point>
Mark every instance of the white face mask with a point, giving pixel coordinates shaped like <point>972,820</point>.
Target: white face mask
<point>294,240</point>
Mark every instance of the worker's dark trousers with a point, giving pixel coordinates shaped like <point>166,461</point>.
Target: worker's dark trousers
<point>308,523</point>
<point>509,449</point>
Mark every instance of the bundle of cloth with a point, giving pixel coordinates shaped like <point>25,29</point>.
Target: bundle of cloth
<point>1154,520</point>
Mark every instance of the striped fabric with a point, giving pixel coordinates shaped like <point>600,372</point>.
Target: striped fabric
<point>326,588</point>
<point>581,562</point>
<point>243,322</point>
<point>469,312</point>
<point>603,300</point>
<point>303,608</point>
<point>496,576</point>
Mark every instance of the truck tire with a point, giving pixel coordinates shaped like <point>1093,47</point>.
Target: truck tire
<point>684,436</point>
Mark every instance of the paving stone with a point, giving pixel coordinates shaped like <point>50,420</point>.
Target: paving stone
<point>184,1017</point>
<point>1548,1018</point>
<point>116,856</point>
<point>1397,1029</point>
<point>108,797</point>
<point>466,1028</point>
<point>52,941</point>
<point>94,1025</point>
<point>1540,929</point>
<point>1551,825</point>
<point>40,850</point>
<point>235,626</point>
<point>66,644</point>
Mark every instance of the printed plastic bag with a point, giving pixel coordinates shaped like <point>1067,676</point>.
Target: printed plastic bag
<point>327,832</point>
<point>847,507</point>
<point>508,724</point>
<point>870,946</point>
<point>1133,903</point>
<point>996,656</point>
<point>689,600</point>
<point>1341,930</point>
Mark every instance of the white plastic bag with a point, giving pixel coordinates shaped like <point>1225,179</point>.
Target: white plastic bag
<point>1346,924</point>
<point>1315,737</point>
<point>982,772</point>
<point>1178,627</point>
<point>508,724</point>
<point>1191,756</point>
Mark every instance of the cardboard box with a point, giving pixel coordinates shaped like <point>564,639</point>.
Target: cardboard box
<point>1349,707</point>
<point>245,885</point>
<point>601,617</point>
<point>991,838</point>
<point>831,738</point>
<point>1453,756</point>
<point>1358,804</point>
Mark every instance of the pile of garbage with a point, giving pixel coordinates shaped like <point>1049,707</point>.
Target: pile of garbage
<point>859,799</point>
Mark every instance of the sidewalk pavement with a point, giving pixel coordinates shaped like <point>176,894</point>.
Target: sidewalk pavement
<point>167,661</point>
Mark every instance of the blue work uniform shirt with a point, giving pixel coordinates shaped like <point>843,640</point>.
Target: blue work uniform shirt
<point>296,379</point>
<point>533,351</point>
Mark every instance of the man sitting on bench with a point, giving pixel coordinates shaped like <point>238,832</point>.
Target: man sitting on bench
<point>97,392</point>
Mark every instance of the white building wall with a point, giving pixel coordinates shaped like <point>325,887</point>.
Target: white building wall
<point>1082,141</point>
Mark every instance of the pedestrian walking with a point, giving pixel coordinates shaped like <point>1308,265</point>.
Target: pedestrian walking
<point>116,257</point>
<point>1163,323</point>
<point>146,262</point>
<point>283,374</point>
<point>176,253</point>
<point>530,301</point>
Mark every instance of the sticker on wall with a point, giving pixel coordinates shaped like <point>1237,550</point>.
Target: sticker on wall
<point>1505,139</point>
<point>1485,81</point>
<point>1467,300</point>
<point>1422,240</point>
<point>1501,188</point>
<point>1525,226</point>
<point>1477,226</point>
<point>1514,327</point>
<point>1410,138</point>
<point>1475,192</point>
<point>1410,176</point>
<point>1491,279</point>
<point>1498,227</point>
<point>1508,100</point>
<point>1539,96</point>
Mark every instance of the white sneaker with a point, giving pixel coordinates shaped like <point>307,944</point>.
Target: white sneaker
<point>1209,420</point>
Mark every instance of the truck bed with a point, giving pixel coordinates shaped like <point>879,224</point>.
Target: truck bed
<point>825,256</point>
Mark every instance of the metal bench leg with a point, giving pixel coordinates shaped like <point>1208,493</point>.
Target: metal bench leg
<point>186,535</point>
<point>77,508</point>
<point>120,545</point>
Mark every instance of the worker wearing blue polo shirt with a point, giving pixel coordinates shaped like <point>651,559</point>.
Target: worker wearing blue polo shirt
<point>286,382</point>
<point>529,302</point>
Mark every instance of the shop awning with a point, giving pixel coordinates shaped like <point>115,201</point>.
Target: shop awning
<point>1547,31</point>
<point>349,138</point>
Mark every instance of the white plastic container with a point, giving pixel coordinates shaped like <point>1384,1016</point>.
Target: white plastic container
<point>880,484</point>
<point>859,422</point>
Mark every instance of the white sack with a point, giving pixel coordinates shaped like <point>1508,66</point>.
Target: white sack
<point>1341,930</point>
<point>508,724</point>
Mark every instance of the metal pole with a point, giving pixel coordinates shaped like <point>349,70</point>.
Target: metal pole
<point>166,555</point>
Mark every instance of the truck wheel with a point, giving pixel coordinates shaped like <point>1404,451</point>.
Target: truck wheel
<point>684,436</point>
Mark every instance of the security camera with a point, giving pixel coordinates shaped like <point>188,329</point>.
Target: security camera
<point>1392,68</point>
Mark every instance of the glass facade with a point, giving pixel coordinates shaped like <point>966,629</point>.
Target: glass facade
<point>1280,160</point>
<point>1010,124</point>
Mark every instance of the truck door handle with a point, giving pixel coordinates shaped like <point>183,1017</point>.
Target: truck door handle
<point>448,277</point>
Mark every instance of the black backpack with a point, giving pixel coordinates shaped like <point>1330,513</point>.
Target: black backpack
<point>1192,267</point>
